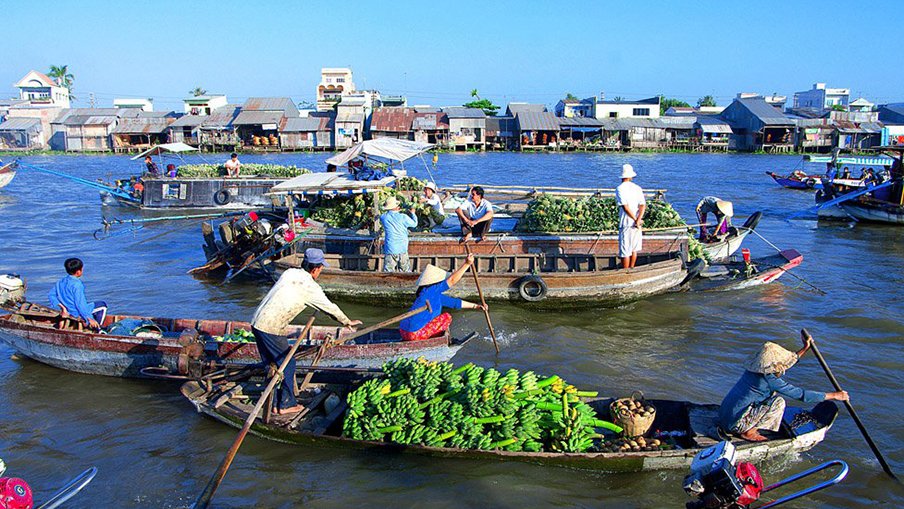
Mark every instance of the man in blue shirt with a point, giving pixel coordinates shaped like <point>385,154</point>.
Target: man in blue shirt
<point>395,245</point>
<point>68,295</point>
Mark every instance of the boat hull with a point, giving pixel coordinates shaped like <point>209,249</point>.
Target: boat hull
<point>812,182</point>
<point>203,193</point>
<point>7,173</point>
<point>874,212</point>
<point>771,268</point>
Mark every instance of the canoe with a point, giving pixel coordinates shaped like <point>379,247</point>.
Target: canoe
<point>734,275</point>
<point>691,425</point>
<point>7,172</point>
<point>187,346</point>
<point>721,250</point>
<point>797,182</point>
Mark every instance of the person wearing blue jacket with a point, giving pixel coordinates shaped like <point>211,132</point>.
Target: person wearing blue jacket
<point>68,295</point>
<point>755,401</point>
<point>395,245</point>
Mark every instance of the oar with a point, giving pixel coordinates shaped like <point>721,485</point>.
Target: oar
<point>847,404</point>
<point>204,500</point>
<point>486,310</point>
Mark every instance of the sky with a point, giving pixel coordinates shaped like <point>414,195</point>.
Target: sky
<point>437,52</point>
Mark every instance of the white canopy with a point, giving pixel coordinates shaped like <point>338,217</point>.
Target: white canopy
<point>329,184</point>
<point>174,148</point>
<point>384,148</point>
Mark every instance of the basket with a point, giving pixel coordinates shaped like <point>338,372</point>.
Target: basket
<point>634,425</point>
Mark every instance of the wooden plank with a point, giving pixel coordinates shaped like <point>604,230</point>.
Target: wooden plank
<point>313,404</point>
<point>331,418</point>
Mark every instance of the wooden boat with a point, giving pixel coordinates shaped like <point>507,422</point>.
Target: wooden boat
<point>735,274</point>
<point>875,196</point>
<point>797,180</point>
<point>7,173</point>
<point>188,345</point>
<point>721,250</point>
<point>691,425</point>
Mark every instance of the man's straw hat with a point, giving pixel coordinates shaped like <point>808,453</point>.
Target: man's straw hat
<point>391,203</point>
<point>432,275</point>
<point>771,359</point>
<point>725,207</point>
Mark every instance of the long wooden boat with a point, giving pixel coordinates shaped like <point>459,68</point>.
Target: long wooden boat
<point>736,276</point>
<point>188,345</point>
<point>881,205</point>
<point>691,425</point>
<point>797,180</point>
<point>7,173</point>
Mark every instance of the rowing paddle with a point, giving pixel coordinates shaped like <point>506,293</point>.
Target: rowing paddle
<point>486,310</point>
<point>872,445</point>
<point>204,500</point>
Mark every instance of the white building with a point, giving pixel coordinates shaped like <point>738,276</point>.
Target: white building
<point>38,88</point>
<point>204,104</point>
<point>644,108</point>
<point>335,83</point>
<point>861,105</point>
<point>822,98</point>
<point>138,104</point>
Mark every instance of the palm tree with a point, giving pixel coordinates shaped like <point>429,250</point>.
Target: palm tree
<point>475,94</point>
<point>198,92</point>
<point>63,78</point>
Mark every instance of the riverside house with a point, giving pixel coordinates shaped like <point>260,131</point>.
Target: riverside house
<point>258,122</point>
<point>758,126</point>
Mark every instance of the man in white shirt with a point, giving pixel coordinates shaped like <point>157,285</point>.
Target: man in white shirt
<point>476,215</point>
<point>233,166</point>
<point>295,290</point>
<point>631,206</point>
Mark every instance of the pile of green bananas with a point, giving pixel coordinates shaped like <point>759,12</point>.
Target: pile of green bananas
<point>247,169</point>
<point>237,336</point>
<point>436,404</point>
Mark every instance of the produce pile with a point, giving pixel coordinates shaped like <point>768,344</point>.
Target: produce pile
<point>436,404</point>
<point>247,169</point>
<point>237,336</point>
<point>345,212</point>
<point>410,184</point>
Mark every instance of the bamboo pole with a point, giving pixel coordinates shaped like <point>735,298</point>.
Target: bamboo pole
<point>486,310</point>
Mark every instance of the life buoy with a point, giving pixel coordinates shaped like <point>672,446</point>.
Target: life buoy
<point>222,197</point>
<point>532,288</point>
<point>810,182</point>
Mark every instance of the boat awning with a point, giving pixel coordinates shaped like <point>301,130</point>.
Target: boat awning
<point>331,184</point>
<point>173,148</point>
<point>856,161</point>
<point>383,148</point>
<point>716,128</point>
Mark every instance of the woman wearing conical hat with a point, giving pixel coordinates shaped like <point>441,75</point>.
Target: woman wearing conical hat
<point>755,402</point>
<point>723,210</point>
<point>430,287</point>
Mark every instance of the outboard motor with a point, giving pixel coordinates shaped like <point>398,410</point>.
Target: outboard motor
<point>12,290</point>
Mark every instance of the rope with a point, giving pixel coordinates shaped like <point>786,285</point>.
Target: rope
<point>773,246</point>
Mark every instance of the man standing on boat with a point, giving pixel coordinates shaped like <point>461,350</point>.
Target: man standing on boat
<point>68,295</point>
<point>395,242</point>
<point>723,210</point>
<point>233,166</point>
<point>476,215</point>
<point>631,207</point>
<point>295,291</point>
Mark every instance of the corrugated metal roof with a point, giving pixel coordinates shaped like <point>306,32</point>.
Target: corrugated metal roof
<point>427,109</point>
<point>300,125</point>
<point>537,121</point>
<point>222,117</point>
<point>258,117</point>
<point>21,124</point>
<point>872,127</point>
<point>514,109</point>
<point>70,112</point>
<point>350,118</point>
<point>767,114</point>
<point>462,112</point>
<point>91,120</point>
<point>268,104</point>
<point>580,122</point>
<point>685,122</point>
<point>496,125</point>
<point>189,121</point>
<point>436,121</point>
<point>393,120</point>
<point>141,126</point>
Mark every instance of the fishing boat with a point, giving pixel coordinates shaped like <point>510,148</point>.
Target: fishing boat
<point>7,173</point>
<point>870,196</point>
<point>190,346</point>
<point>747,273</point>
<point>797,180</point>
<point>690,425</point>
<point>720,250</point>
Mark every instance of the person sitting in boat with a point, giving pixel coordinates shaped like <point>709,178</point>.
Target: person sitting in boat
<point>68,295</point>
<point>475,215</point>
<point>233,166</point>
<point>723,210</point>
<point>151,167</point>
<point>295,290</point>
<point>846,173</point>
<point>432,199</point>
<point>754,402</point>
<point>171,171</point>
<point>395,242</point>
<point>430,287</point>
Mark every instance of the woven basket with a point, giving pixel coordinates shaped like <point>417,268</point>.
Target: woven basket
<point>634,425</point>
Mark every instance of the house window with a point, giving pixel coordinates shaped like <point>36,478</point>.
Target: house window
<point>340,80</point>
<point>613,114</point>
<point>641,112</point>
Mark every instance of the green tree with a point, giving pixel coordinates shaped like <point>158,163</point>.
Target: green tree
<point>618,98</point>
<point>838,107</point>
<point>63,78</point>
<point>667,102</point>
<point>571,97</point>
<point>486,105</point>
<point>198,92</point>
<point>706,100</point>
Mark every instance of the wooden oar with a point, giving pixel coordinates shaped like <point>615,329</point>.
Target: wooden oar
<point>204,499</point>
<point>486,310</point>
<point>847,404</point>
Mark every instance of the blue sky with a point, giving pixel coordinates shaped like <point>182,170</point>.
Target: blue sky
<point>436,52</point>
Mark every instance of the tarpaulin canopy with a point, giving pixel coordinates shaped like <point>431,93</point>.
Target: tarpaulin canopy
<point>174,148</point>
<point>330,184</point>
<point>383,148</point>
<point>854,160</point>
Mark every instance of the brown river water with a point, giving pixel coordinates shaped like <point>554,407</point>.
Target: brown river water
<point>153,451</point>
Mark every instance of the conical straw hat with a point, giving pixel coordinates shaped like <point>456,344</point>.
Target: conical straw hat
<point>771,359</point>
<point>725,207</point>
<point>431,275</point>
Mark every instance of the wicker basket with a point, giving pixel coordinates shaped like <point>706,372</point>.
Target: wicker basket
<point>634,425</point>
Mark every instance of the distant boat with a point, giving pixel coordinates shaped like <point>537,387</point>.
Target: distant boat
<point>7,172</point>
<point>875,196</point>
<point>797,180</point>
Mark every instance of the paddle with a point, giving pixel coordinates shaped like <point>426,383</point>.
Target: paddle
<point>204,499</point>
<point>872,445</point>
<point>486,310</point>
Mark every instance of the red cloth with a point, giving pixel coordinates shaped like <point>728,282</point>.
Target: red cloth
<point>434,328</point>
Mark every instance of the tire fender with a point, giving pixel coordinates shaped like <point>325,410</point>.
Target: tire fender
<point>222,197</point>
<point>532,288</point>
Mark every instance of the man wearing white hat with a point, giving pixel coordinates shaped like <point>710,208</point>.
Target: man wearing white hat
<point>430,287</point>
<point>723,210</point>
<point>754,402</point>
<point>631,206</point>
<point>395,242</point>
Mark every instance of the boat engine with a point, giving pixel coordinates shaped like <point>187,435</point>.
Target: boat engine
<point>12,290</point>
<point>718,482</point>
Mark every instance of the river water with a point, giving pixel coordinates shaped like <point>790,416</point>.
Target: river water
<point>152,450</point>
